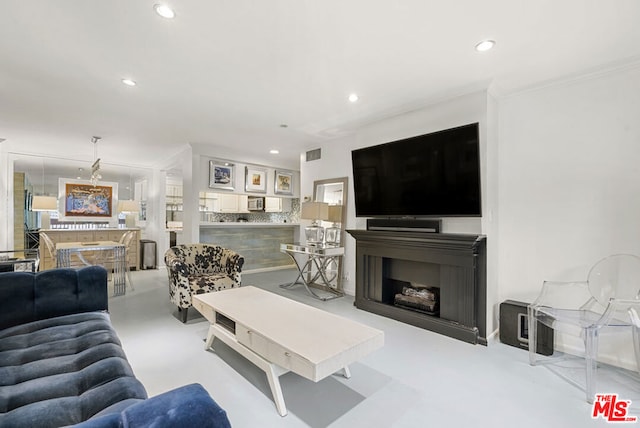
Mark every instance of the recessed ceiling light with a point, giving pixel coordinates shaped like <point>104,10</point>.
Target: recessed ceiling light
<point>274,151</point>
<point>164,11</point>
<point>485,45</point>
<point>129,82</point>
<point>353,98</point>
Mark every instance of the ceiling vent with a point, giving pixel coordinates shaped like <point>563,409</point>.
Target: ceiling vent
<point>313,155</point>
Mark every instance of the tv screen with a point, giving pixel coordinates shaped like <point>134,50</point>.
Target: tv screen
<point>431,175</point>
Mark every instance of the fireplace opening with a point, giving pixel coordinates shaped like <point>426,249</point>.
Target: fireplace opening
<point>411,296</point>
<point>411,285</point>
<point>419,298</point>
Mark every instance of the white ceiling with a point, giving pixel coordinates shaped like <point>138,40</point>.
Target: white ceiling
<point>228,73</point>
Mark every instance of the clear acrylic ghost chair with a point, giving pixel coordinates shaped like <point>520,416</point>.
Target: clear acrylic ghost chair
<point>107,258</point>
<point>127,240</point>
<point>609,301</point>
<point>51,247</point>
<point>77,260</point>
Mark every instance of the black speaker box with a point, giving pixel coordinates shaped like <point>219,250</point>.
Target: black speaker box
<point>514,328</point>
<point>404,225</point>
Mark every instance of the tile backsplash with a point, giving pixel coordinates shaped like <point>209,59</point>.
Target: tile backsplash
<point>257,217</point>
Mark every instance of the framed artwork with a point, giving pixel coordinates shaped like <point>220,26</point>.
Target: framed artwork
<point>255,180</point>
<point>283,183</point>
<point>87,200</point>
<point>221,175</point>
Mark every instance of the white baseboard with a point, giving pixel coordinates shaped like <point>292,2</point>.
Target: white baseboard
<point>269,269</point>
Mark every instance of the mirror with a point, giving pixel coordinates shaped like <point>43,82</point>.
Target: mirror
<point>334,192</point>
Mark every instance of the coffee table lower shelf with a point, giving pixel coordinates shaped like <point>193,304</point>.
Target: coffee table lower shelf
<point>273,371</point>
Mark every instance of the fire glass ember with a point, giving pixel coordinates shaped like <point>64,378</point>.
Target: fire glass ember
<point>419,298</point>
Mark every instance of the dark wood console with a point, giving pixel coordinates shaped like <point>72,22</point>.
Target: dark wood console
<point>455,264</point>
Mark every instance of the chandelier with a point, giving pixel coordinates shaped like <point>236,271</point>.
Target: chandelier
<point>95,168</point>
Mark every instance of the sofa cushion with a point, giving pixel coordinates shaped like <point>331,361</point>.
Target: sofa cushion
<point>51,293</point>
<point>62,370</point>
<point>187,406</point>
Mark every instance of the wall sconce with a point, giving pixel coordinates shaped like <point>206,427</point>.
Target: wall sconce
<point>314,211</point>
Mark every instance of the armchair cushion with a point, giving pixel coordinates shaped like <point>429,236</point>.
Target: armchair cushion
<point>201,268</point>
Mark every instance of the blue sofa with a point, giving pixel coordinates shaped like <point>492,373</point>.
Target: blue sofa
<point>61,362</point>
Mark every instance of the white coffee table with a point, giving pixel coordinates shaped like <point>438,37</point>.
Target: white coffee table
<point>280,335</point>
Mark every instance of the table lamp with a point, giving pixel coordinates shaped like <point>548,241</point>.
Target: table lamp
<point>129,208</point>
<point>314,211</point>
<point>44,204</point>
<point>332,234</point>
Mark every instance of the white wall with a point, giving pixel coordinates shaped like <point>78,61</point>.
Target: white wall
<point>569,173</point>
<point>6,199</point>
<point>569,192</point>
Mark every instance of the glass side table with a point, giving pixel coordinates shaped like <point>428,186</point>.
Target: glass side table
<point>320,270</point>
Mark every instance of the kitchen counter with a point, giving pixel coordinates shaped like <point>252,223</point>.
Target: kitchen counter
<point>258,242</point>
<point>80,228</point>
<point>205,224</point>
<point>79,234</point>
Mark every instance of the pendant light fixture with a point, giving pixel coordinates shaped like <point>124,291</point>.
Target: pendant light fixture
<point>95,168</point>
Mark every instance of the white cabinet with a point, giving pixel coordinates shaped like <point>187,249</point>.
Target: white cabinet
<point>207,201</point>
<point>277,205</point>
<point>221,202</point>
<point>173,202</point>
<point>226,203</point>
<point>233,203</point>
<point>174,191</point>
<point>243,203</point>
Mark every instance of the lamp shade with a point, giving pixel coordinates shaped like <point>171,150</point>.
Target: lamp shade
<point>44,203</point>
<point>315,211</point>
<point>128,206</point>
<point>335,213</point>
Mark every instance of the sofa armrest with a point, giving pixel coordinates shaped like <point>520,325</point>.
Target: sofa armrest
<point>27,296</point>
<point>187,406</point>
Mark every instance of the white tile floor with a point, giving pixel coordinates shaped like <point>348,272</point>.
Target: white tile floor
<point>418,379</point>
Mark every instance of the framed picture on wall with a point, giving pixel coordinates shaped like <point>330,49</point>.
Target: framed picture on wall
<point>221,175</point>
<point>255,180</point>
<point>283,183</point>
<point>87,200</point>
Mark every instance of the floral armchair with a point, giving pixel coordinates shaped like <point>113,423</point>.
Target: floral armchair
<point>200,268</point>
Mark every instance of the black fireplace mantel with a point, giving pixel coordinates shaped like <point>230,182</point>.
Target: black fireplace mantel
<point>454,263</point>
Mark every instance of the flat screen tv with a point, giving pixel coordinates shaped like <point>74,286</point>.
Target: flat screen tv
<point>431,175</point>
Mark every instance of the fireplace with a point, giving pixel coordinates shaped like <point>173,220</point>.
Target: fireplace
<point>435,281</point>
